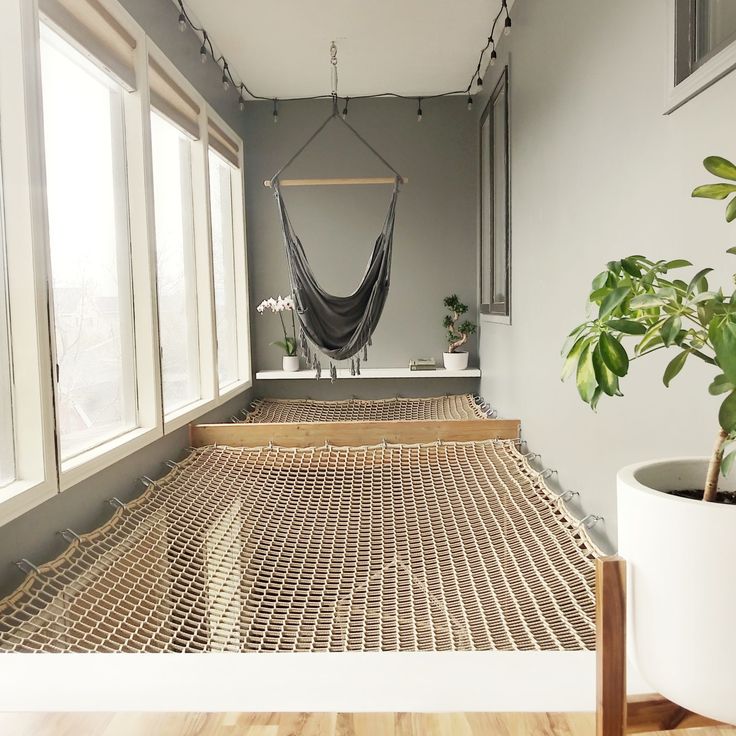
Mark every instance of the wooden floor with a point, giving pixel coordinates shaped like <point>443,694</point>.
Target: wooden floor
<point>308,724</point>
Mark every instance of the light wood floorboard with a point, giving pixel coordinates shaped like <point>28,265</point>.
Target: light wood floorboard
<point>309,724</point>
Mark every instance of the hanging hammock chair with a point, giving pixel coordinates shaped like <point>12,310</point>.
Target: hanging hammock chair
<point>337,326</point>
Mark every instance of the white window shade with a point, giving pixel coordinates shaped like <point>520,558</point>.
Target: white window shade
<point>221,142</point>
<point>97,32</point>
<point>170,100</point>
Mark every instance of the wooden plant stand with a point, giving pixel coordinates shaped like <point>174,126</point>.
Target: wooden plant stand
<point>617,714</point>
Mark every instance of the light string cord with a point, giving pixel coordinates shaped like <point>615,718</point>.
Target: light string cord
<point>228,79</point>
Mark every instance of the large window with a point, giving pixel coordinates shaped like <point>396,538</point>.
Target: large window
<point>90,248</point>
<point>123,283</point>
<point>176,275</point>
<point>495,205</point>
<point>223,267</point>
<point>7,440</point>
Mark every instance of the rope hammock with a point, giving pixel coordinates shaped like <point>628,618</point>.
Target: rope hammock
<point>337,326</point>
<point>441,546</point>
<point>436,408</point>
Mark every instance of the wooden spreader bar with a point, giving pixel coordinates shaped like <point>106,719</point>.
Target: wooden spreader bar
<point>336,182</point>
<point>347,434</point>
<point>616,713</point>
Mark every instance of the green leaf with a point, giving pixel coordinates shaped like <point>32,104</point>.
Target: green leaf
<point>572,339</point>
<point>732,250</point>
<point>607,380</point>
<point>612,301</point>
<point>628,326</point>
<point>596,397</point>
<point>697,279</point>
<point>674,367</point>
<point>585,376</point>
<point>731,210</point>
<point>714,191</point>
<point>573,356</point>
<point>723,336</point>
<point>720,385</point>
<point>600,281</point>
<point>680,262</point>
<point>670,329</point>
<point>719,166</point>
<point>629,265</point>
<point>727,413</point>
<point>727,463</point>
<point>646,301</point>
<point>613,354</point>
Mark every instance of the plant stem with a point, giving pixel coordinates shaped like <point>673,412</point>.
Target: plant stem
<point>714,468</point>
<point>283,329</point>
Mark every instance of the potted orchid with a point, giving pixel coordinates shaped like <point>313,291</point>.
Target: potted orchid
<point>290,361</point>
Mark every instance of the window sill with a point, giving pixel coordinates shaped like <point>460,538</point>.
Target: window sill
<point>83,466</point>
<point>22,495</point>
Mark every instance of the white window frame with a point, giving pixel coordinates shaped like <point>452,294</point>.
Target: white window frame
<point>20,139</point>
<point>707,74</point>
<point>211,395</point>
<point>142,270</point>
<point>242,314</point>
<point>40,474</point>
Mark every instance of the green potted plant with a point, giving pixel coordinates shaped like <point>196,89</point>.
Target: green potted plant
<point>676,518</point>
<point>290,360</point>
<point>457,334</point>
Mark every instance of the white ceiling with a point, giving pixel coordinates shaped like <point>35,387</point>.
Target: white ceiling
<point>413,47</point>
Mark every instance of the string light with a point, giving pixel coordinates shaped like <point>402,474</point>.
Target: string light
<point>275,110</point>
<point>206,50</point>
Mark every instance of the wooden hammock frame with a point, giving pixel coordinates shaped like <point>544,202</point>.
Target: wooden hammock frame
<point>346,434</point>
<point>618,714</point>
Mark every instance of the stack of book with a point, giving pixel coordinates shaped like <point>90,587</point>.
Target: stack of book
<point>422,364</point>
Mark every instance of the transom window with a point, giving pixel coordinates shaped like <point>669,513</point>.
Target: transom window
<point>703,28</point>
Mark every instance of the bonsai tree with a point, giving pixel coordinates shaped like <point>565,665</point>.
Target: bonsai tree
<point>636,299</point>
<point>457,335</point>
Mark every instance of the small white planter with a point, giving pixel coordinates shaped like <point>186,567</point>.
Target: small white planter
<point>682,587</point>
<point>290,363</point>
<point>455,361</point>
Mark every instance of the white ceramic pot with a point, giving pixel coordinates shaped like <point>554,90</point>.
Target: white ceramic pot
<point>290,363</point>
<point>455,361</point>
<point>682,586</point>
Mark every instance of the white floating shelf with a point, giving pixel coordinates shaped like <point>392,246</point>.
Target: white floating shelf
<point>366,373</point>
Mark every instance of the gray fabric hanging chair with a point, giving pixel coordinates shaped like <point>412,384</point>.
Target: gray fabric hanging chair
<point>338,326</point>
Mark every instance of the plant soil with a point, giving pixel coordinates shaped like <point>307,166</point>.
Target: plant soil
<point>725,497</point>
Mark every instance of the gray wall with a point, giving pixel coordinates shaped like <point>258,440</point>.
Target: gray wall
<point>434,244</point>
<point>598,172</point>
<point>83,507</point>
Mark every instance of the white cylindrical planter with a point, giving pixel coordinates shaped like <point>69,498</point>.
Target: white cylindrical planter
<point>682,586</point>
<point>455,361</point>
<point>290,363</point>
